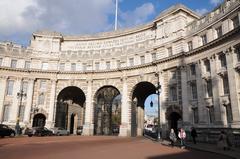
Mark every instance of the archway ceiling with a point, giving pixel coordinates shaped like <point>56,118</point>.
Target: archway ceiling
<point>72,93</point>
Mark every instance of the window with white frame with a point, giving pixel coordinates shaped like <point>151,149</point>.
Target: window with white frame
<point>44,66</point>
<point>222,58</point>
<point>27,64</point>
<point>195,115</point>
<point>169,50</point>
<point>21,112</point>
<point>84,66</point>
<point>154,56</point>
<point>10,84</point>
<point>219,31</point>
<point>97,65</point>
<point>13,63</point>
<point>173,93</point>
<point>43,85</point>
<point>73,66</point>
<point>25,86</point>
<point>190,45</point>
<point>61,66</point>
<point>193,69</point>
<point>142,60</point>
<point>41,99</point>
<point>131,62</point>
<point>194,89</point>
<point>118,63</point>
<point>1,61</point>
<point>108,65</point>
<point>204,39</point>
<point>211,114</point>
<point>209,88</point>
<point>207,65</point>
<point>225,84</point>
<point>229,113</point>
<point>6,113</point>
<point>235,21</point>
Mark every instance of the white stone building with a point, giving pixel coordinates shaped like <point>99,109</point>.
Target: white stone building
<point>71,81</point>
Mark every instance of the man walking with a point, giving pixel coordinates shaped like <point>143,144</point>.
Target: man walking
<point>194,134</point>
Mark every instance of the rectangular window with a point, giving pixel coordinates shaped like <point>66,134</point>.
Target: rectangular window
<point>173,93</point>
<point>131,62</point>
<point>238,53</point>
<point>207,66</point>
<point>44,66</point>
<point>61,66</point>
<point>84,66</point>
<point>190,45</point>
<point>219,31</point>
<point>211,114</point>
<point>13,63</point>
<point>193,69</point>
<point>154,56</point>
<point>229,113</point>
<point>1,60</point>
<point>27,65</point>
<point>118,63</point>
<point>195,115</point>
<point>194,90</point>
<point>222,58</point>
<point>41,99</point>
<point>10,87</point>
<point>209,88</point>
<point>25,86</point>
<point>142,60</point>
<point>108,65</point>
<point>169,51</point>
<point>97,64</point>
<point>73,67</point>
<point>43,86</point>
<point>6,112</point>
<point>204,39</point>
<point>21,112</point>
<point>225,85</point>
<point>235,21</point>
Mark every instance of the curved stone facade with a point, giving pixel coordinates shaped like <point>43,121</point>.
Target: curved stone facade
<point>197,60</point>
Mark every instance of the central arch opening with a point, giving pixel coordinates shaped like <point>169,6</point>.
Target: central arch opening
<point>140,93</point>
<point>107,111</point>
<point>70,109</point>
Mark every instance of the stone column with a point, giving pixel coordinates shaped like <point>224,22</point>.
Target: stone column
<point>233,87</point>
<point>186,115</point>
<point>15,104</point>
<point>88,126</point>
<point>124,128</point>
<point>28,107</point>
<point>216,85</point>
<point>50,120</point>
<point>3,85</point>
<point>202,113</point>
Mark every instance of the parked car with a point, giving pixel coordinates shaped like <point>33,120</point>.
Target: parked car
<point>6,131</point>
<point>39,131</point>
<point>79,130</point>
<point>59,131</point>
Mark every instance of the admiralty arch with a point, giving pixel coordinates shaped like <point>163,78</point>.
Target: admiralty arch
<point>102,80</point>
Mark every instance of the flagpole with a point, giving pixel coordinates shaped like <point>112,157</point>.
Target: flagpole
<point>116,15</point>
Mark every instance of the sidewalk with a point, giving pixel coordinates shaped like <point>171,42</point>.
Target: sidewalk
<point>233,153</point>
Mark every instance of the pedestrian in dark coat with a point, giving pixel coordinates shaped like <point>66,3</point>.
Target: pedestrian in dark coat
<point>194,135</point>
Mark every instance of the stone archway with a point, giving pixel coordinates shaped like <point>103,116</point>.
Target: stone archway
<point>140,92</point>
<point>70,109</point>
<point>39,120</point>
<point>107,111</point>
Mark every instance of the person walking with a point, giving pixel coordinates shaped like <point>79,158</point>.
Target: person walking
<point>194,134</point>
<point>182,136</point>
<point>222,141</point>
<point>172,137</point>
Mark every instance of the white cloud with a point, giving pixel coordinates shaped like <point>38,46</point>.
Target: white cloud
<point>215,2</point>
<point>202,11</point>
<point>138,16</point>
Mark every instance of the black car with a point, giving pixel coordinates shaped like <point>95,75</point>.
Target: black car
<point>6,131</point>
<point>39,131</point>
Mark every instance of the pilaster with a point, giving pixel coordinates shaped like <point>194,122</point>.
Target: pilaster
<point>3,84</point>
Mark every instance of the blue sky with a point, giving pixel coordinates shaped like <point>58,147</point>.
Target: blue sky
<point>19,18</point>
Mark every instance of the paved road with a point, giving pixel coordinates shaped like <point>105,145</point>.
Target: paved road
<point>77,147</point>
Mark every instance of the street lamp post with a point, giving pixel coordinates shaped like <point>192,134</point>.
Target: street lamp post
<point>20,95</point>
<point>158,91</point>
